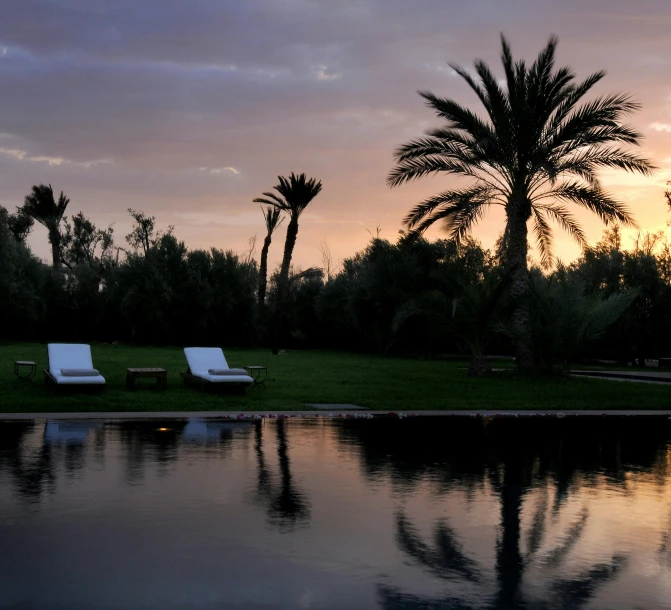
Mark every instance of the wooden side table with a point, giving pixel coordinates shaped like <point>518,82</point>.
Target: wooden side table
<point>24,371</point>
<point>161,376</point>
<point>255,374</point>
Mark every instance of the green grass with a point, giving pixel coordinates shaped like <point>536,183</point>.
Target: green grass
<point>299,377</point>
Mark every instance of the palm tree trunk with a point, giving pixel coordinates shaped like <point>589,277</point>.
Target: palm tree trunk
<point>55,240</point>
<point>509,562</point>
<point>516,261</point>
<point>263,271</point>
<point>292,234</point>
<point>281,312</point>
<point>479,366</point>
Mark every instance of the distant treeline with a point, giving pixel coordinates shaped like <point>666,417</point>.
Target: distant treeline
<point>414,296</point>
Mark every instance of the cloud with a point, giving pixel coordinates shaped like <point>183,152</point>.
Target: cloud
<point>661,127</point>
<point>220,170</point>
<point>22,155</point>
<point>323,73</point>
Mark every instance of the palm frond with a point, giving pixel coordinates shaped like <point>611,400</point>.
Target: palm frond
<point>595,157</point>
<point>459,208</point>
<point>443,147</point>
<point>596,200</point>
<point>571,96</point>
<point>297,192</point>
<point>272,217</point>
<point>543,234</point>
<point>566,220</point>
<point>272,200</point>
<point>412,169</point>
<point>42,206</point>
<point>458,116</point>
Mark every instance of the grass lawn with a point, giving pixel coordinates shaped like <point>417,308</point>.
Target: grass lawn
<point>299,377</point>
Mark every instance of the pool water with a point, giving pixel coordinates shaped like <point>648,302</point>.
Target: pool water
<point>422,512</point>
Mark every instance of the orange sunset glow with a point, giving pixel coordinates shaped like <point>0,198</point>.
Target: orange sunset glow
<point>190,113</point>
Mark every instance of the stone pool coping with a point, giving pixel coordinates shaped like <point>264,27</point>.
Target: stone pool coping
<point>247,415</point>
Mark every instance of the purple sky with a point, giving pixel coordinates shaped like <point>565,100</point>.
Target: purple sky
<point>189,110</point>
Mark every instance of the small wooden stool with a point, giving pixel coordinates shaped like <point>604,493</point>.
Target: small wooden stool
<point>161,376</point>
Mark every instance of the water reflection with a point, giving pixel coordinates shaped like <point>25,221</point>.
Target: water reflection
<point>69,432</point>
<point>30,468</point>
<point>209,432</point>
<point>287,506</point>
<point>515,459</point>
<point>455,514</point>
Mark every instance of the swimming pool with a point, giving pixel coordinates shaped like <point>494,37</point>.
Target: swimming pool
<point>382,513</point>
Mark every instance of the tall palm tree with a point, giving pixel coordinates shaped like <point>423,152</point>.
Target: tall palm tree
<point>42,206</point>
<point>536,151</point>
<point>272,218</point>
<point>296,194</point>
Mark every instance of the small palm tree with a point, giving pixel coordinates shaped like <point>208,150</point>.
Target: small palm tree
<point>537,151</point>
<point>272,218</point>
<point>296,194</point>
<point>42,206</point>
<point>462,309</point>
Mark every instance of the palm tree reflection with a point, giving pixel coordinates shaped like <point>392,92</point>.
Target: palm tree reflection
<point>444,558</point>
<point>286,505</point>
<point>517,459</point>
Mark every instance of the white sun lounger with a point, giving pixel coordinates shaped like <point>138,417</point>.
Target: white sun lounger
<point>203,360</point>
<point>71,364</point>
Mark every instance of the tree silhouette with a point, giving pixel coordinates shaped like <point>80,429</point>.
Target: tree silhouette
<point>40,205</point>
<point>272,217</point>
<point>296,193</point>
<point>537,151</point>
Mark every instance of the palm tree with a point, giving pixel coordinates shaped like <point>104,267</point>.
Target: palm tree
<point>272,218</point>
<point>296,193</point>
<point>537,151</point>
<point>43,207</point>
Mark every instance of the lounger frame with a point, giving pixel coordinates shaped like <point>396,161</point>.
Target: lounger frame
<point>51,382</point>
<point>207,385</point>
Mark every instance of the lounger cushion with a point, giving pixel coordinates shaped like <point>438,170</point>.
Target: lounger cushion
<point>227,372</point>
<point>71,356</point>
<point>202,359</point>
<point>79,372</point>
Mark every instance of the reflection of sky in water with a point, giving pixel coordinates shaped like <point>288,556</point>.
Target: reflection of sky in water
<point>361,514</point>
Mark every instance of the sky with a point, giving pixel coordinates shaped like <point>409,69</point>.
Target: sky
<point>190,110</point>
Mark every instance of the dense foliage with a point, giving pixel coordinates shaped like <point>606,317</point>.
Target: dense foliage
<point>415,296</point>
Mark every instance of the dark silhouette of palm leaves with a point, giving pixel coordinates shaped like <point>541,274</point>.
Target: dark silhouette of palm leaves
<point>41,205</point>
<point>296,194</point>
<point>536,151</point>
